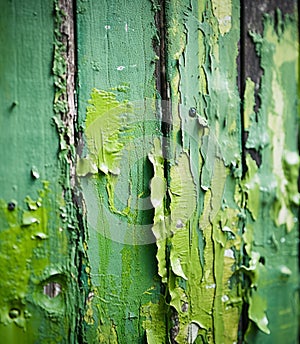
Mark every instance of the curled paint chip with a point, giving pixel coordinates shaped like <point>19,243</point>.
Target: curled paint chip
<point>285,271</point>
<point>28,219</point>
<point>35,173</point>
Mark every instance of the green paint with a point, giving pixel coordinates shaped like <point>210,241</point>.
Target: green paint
<point>249,102</point>
<point>158,194</point>
<point>29,141</point>
<point>110,128</point>
<point>198,242</point>
<point>39,244</point>
<point>103,125</point>
<point>26,267</point>
<point>155,323</point>
<point>116,105</point>
<point>222,11</point>
<point>222,239</point>
<point>270,234</point>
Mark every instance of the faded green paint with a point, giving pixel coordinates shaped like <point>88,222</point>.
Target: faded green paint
<point>271,237</point>
<point>37,223</point>
<point>224,239</point>
<point>116,63</point>
<point>205,212</point>
<point>222,11</point>
<point>249,103</point>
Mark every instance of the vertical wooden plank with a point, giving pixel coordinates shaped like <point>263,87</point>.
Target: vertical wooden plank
<point>21,26</point>
<point>202,250</point>
<point>116,92</point>
<point>270,62</point>
<point>38,239</point>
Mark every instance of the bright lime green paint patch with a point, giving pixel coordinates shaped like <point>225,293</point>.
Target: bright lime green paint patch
<point>103,130</point>
<point>156,322</point>
<point>222,11</point>
<point>158,194</point>
<point>26,267</point>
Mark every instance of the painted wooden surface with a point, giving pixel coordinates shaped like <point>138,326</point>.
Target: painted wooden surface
<point>204,168</point>
<point>116,85</point>
<point>38,237</point>
<point>271,157</point>
<point>149,171</point>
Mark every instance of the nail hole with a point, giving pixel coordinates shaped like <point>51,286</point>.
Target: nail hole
<point>11,206</point>
<point>14,313</point>
<point>52,289</point>
<point>262,260</point>
<point>192,112</point>
<point>13,105</point>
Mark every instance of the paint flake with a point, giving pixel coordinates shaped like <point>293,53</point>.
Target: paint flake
<point>229,253</point>
<point>222,11</point>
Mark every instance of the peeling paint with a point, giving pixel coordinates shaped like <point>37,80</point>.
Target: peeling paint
<point>177,238</point>
<point>223,239</point>
<point>271,191</point>
<point>222,11</point>
<point>196,258</point>
<point>39,234</point>
<point>155,323</point>
<point>115,172</point>
<point>103,125</point>
<point>25,243</point>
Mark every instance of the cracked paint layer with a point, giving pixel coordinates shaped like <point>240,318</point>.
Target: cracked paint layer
<point>223,239</point>
<point>27,235</point>
<point>38,221</point>
<point>272,198</point>
<point>258,211</point>
<point>198,224</point>
<point>122,218</point>
<point>115,78</point>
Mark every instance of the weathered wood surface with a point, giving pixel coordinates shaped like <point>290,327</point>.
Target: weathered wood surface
<point>116,93</point>
<point>38,231</point>
<point>149,171</point>
<point>269,60</point>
